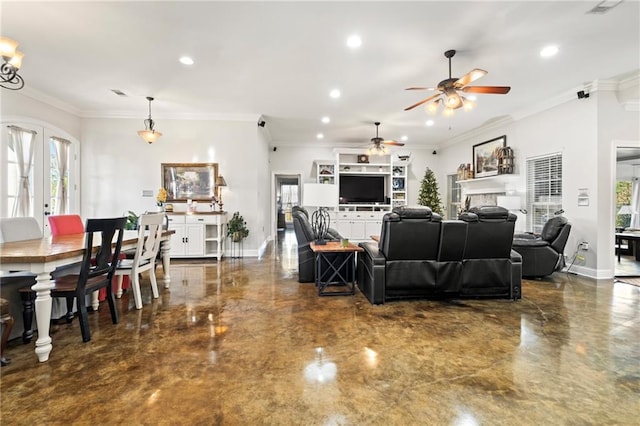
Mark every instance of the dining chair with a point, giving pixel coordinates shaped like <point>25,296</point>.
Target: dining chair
<point>149,234</point>
<point>96,271</point>
<point>18,229</point>
<point>65,224</point>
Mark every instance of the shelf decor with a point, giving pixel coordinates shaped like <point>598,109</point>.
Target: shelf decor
<point>485,156</point>
<point>189,181</point>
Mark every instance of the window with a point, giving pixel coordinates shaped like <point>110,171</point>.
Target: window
<point>544,190</point>
<point>453,196</point>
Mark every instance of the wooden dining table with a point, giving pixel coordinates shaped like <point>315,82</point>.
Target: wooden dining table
<point>42,256</point>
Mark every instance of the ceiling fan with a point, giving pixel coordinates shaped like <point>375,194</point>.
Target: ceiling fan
<point>379,145</point>
<point>449,89</point>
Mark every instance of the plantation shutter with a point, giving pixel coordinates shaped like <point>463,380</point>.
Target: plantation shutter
<point>544,190</point>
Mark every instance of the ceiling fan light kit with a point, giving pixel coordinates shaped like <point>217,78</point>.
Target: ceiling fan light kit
<point>379,145</point>
<point>449,89</point>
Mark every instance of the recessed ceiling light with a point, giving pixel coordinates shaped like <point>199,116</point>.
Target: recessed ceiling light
<point>186,60</point>
<point>335,93</point>
<point>548,51</point>
<point>404,138</point>
<point>429,123</point>
<point>354,41</point>
<point>326,120</point>
<point>320,136</point>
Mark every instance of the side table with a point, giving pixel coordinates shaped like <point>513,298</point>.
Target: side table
<point>333,270</point>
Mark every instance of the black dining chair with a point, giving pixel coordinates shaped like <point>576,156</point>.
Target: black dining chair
<point>95,272</point>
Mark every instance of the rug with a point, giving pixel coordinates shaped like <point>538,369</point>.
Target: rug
<point>628,280</point>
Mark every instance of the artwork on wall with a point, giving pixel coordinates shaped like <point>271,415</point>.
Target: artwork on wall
<point>485,156</point>
<point>189,181</point>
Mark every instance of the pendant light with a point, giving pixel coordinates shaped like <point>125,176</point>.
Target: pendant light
<point>149,134</point>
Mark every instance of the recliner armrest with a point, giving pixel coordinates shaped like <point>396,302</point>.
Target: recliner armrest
<point>372,251</point>
<point>333,235</point>
<point>530,243</point>
<point>526,236</point>
<point>515,257</point>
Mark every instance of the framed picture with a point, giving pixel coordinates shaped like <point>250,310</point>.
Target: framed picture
<point>485,156</point>
<point>189,181</point>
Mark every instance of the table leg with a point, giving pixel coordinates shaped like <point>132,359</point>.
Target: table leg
<point>43,287</point>
<point>165,248</point>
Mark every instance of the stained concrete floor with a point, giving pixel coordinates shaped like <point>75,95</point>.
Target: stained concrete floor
<point>243,343</point>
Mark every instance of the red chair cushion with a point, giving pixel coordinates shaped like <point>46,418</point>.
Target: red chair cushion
<point>66,224</point>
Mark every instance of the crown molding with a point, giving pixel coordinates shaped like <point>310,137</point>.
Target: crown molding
<point>50,100</point>
<point>174,116</point>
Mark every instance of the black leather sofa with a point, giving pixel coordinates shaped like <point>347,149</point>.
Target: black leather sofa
<point>543,254</point>
<point>419,255</point>
<point>305,236</point>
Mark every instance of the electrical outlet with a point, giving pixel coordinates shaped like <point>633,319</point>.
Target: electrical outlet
<point>584,246</point>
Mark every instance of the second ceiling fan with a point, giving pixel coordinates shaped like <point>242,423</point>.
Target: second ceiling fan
<point>448,90</point>
<point>379,145</point>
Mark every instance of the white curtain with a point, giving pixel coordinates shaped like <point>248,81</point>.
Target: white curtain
<point>61,149</point>
<point>21,141</point>
<point>635,203</point>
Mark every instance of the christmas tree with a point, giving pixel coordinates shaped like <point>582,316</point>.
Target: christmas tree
<point>429,192</point>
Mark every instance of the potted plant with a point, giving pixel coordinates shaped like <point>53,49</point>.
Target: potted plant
<point>237,228</point>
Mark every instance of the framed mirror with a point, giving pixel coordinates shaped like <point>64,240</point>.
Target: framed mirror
<point>189,181</point>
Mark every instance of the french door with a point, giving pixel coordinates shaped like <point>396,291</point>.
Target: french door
<point>39,170</point>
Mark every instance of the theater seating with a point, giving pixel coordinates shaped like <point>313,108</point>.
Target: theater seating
<point>419,255</point>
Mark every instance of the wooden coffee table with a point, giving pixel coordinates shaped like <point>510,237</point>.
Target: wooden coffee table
<point>340,270</point>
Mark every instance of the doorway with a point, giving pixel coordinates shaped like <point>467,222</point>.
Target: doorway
<point>287,193</point>
<point>39,169</point>
<point>627,196</point>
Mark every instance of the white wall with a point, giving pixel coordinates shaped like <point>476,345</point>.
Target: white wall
<point>119,165</point>
<point>18,104</point>
<point>583,131</point>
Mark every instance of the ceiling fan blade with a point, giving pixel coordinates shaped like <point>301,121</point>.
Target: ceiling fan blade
<point>497,90</point>
<point>392,143</point>
<point>422,101</point>
<point>419,88</point>
<point>472,75</point>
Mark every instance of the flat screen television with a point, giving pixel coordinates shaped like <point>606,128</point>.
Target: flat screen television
<point>361,189</point>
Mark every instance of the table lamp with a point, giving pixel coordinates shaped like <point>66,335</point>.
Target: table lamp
<point>220,182</point>
<point>320,196</point>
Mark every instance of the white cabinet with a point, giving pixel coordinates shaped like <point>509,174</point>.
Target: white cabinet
<point>359,225</point>
<point>197,235</point>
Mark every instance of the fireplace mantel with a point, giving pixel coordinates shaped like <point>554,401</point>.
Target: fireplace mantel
<point>488,185</point>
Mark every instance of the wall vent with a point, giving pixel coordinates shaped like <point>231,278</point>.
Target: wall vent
<point>119,92</point>
<point>604,6</point>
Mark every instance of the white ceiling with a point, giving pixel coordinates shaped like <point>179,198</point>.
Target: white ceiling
<point>279,60</point>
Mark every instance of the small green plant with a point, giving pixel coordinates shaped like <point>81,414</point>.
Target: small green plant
<point>132,221</point>
<point>237,228</point>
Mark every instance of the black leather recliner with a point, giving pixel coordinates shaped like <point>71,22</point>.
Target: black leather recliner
<point>305,236</point>
<point>543,254</point>
<point>490,266</point>
<point>412,259</point>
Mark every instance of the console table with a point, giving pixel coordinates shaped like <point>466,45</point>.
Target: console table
<point>339,270</point>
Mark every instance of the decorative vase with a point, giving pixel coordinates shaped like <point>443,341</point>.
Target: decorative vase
<point>160,208</point>
<point>236,237</point>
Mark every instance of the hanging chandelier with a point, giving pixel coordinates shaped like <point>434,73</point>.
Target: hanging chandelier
<point>12,60</point>
<point>149,134</point>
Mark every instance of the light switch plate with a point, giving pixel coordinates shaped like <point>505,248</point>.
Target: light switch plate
<point>147,192</point>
